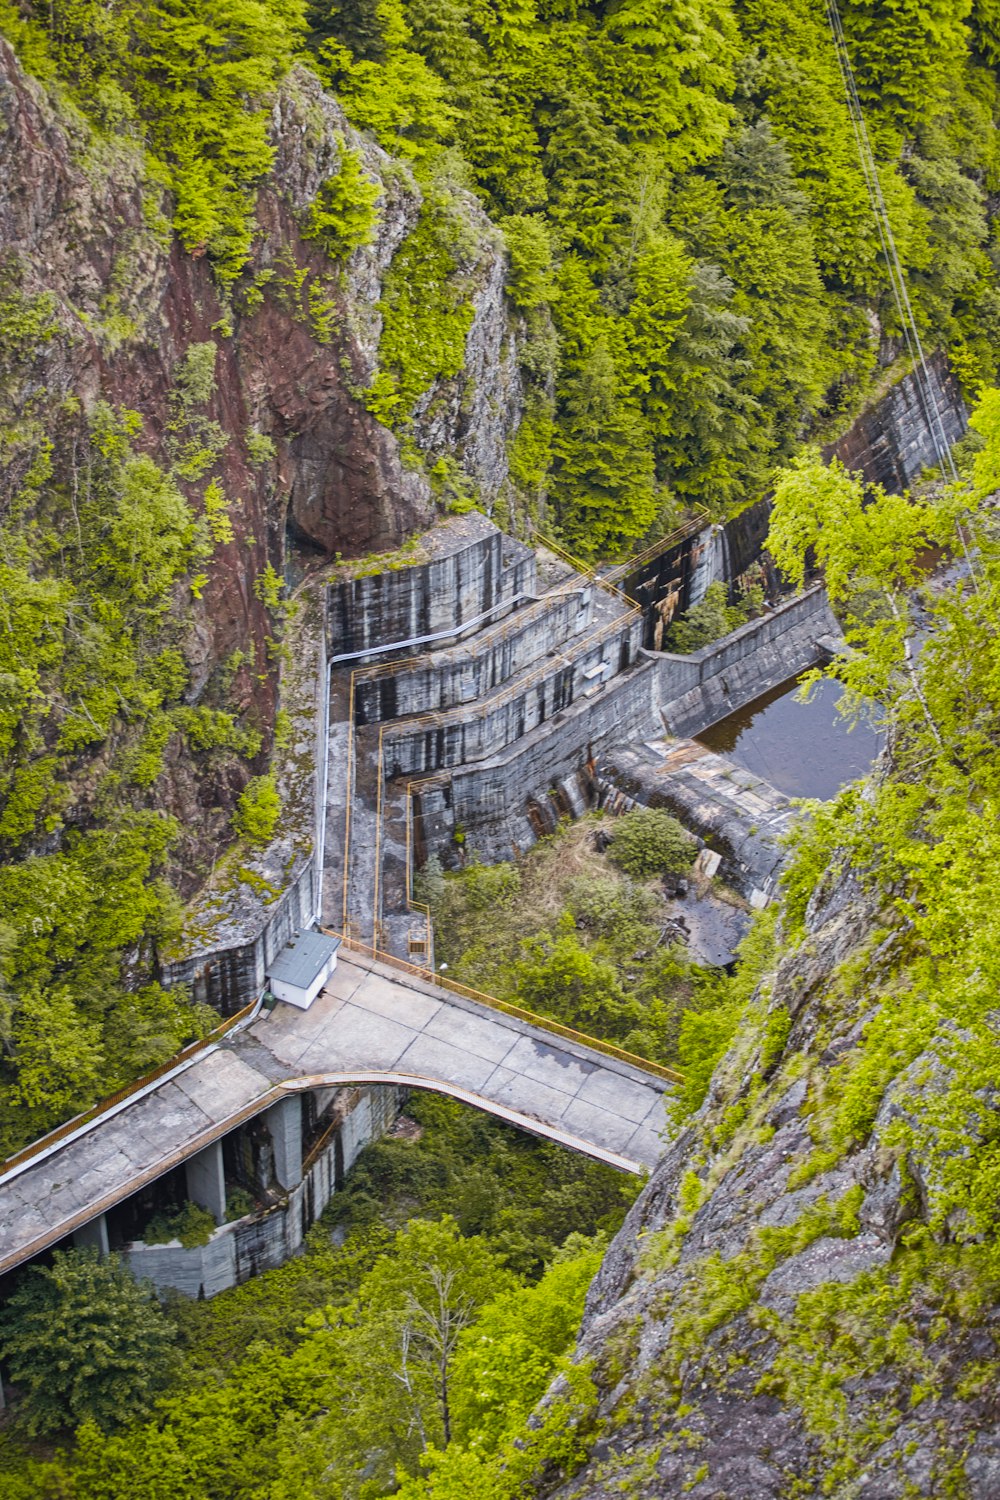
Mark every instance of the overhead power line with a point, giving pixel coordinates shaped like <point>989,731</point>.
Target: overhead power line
<point>897,279</point>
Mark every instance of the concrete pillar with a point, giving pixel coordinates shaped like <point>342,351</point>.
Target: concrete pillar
<point>206,1181</point>
<point>94,1233</point>
<point>284,1121</point>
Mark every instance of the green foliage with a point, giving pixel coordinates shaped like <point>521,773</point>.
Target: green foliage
<point>565,933</point>
<point>530,282</point>
<point>925,834</point>
<point>84,1343</point>
<point>424,1332</point>
<point>191,1224</point>
<point>260,448</point>
<point>425,309</point>
<point>192,80</point>
<point>342,216</point>
<point>269,588</point>
<point>524,1196</point>
<point>89,662</point>
<point>258,810</point>
<point>682,199</point>
<point>713,617</point>
<point>649,841</point>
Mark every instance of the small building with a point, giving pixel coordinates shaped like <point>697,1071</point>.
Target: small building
<point>299,971</point>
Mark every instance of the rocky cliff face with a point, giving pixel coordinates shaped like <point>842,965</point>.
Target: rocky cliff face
<point>303,464</point>
<point>774,1318</point>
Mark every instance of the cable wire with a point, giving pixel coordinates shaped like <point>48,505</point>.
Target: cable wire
<point>897,279</point>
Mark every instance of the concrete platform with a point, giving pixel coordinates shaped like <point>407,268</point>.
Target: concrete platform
<point>371,1024</point>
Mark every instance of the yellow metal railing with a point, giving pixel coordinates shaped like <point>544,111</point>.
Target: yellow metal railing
<point>441,981</point>
<point>96,1110</point>
<point>695,523</point>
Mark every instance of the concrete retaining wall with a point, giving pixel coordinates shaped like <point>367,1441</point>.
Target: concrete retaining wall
<point>486,729</point>
<point>229,978</point>
<point>696,690</point>
<point>891,443</point>
<point>473,568</point>
<point>447,679</point>
<point>497,804</point>
<point>239,1250</point>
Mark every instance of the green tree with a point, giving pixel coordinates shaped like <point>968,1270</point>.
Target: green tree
<point>562,979</point>
<point>394,1350</point>
<point>83,1341</point>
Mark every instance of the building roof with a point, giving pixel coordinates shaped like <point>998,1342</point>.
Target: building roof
<point>302,959</point>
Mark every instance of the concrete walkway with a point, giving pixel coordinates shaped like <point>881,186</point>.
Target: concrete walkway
<point>370,1025</point>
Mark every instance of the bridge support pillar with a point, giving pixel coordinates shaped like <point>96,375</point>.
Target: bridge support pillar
<point>206,1181</point>
<point>284,1121</point>
<point>95,1233</point>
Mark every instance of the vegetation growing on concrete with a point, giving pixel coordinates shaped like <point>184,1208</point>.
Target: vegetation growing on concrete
<point>567,933</point>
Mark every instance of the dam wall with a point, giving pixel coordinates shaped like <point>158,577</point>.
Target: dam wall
<point>696,690</point>
<point>438,681</point>
<point>458,573</point>
<point>891,443</point>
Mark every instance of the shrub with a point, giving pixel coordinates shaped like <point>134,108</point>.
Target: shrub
<point>648,841</point>
<point>257,810</point>
<point>191,1224</point>
<point>713,617</point>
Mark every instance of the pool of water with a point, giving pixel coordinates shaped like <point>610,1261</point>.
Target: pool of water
<point>803,749</point>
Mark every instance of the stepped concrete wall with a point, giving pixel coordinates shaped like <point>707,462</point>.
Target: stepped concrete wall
<point>504,804</point>
<point>488,727</point>
<point>448,679</point>
<point>468,569</point>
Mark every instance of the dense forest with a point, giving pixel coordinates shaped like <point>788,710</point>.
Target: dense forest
<point>695,295</point>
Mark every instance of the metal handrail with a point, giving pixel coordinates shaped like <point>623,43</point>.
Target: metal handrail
<point>586,569</point>
<point>697,522</point>
<point>518,1012</point>
<point>44,1142</point>
<point>436,718</point>
<point>517,620</point>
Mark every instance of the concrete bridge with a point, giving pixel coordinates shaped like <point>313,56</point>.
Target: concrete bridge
<point>374,1023</point>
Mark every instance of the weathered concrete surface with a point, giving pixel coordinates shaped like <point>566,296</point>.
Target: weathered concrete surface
<point>370,1025</point>
<point>892,442</point>
<point>263,1240</point>
<point>742,818</point>
<point>696,690</point>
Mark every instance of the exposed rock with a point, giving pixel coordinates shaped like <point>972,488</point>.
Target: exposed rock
<point>80,221</point>
<point>712,1382</point>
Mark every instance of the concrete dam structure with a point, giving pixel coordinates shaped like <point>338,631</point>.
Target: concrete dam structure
<point>476,749</point>
<point>514,697</point>
<point>457,700</point>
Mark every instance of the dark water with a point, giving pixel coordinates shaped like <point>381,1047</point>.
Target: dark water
<point>803,749</point>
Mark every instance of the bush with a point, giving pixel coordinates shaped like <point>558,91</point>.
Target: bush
<point>713,618</point>
<point>191,1224</point>
<point>84,1342</point>
<point>257,810</point>
<point>648,841</point>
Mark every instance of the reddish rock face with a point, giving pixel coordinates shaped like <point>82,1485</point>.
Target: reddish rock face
<point>129,302</point>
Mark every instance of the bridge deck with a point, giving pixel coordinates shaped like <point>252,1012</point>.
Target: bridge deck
<point>370,1025</point>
